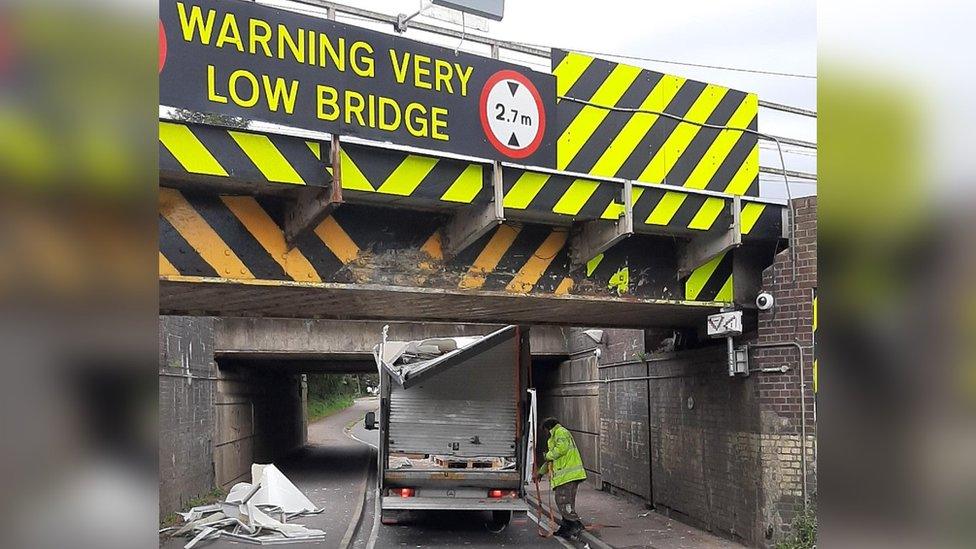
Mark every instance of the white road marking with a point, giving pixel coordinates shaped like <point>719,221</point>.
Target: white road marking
<point>557,538</point>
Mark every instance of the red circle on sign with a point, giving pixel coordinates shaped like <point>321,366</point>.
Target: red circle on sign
<point>508,74</point>
<point>162,46</point>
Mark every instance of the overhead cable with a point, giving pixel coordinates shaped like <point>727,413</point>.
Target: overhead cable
<point>683,63</point>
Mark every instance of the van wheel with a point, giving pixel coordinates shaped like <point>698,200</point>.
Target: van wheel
<point>389,518</point>
<point>499,521</point>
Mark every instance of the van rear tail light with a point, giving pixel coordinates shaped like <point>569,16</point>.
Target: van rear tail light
<point>403,492</point>
<point>497,494</point>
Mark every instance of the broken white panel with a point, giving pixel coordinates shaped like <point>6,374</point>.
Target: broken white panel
<point>198,512</point>
<point>277,490</point>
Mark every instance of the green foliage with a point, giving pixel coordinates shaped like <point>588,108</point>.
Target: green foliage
<point>329,393</point>
<point>213,496</point>
<point>804,528</point>
<point>319,408</point>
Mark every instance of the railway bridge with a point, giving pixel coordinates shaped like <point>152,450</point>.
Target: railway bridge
<point>631,202</point>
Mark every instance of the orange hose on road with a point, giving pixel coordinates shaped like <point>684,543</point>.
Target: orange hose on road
<point>538,496</point>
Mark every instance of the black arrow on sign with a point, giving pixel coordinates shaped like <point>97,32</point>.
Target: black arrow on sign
<point>513,86</point>
<point>513,142</point>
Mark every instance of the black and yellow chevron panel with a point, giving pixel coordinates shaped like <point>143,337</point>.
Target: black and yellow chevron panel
<point>191,149</point>
<point>200,150</point>
<point>711,281</point>
<point>657,208</point>
<point>540,195</point>
<point>649,147</point>
<point>816,357</point>
<point>240,237</point>
<point>396,173</point>
<point>560,195</point>
<point>761,221</point>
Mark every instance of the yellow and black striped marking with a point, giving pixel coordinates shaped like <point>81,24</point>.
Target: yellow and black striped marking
<point>191,149</point>
<point>199,150</point>
<point>656,209</point>
<point>240,237</point>
<point>562,195</point>
<point>419,177</point>
<point>711,281</point>
<point>816,368</point>
<point>375,172</point>
<point>648,147</point>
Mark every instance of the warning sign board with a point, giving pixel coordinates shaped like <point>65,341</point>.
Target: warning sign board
<point>725,324</point>
<point>512,114</point>
<point>245,61</point>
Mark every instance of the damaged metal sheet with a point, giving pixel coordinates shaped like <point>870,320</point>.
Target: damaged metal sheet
<point>411,362</point>
<point>246,513</point>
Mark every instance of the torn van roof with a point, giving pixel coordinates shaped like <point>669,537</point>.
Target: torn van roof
<point>410,362</point>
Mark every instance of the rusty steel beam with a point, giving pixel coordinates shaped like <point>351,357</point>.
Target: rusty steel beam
<point>470,224</point>
<point>704,248</point>
<point>592,238</point>
<point>311,207</point>
<point>222,297</point>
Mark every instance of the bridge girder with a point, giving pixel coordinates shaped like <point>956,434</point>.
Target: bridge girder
<point>661,253</point>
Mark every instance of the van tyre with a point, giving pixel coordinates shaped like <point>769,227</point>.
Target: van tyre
<point>389,518</point>
<point>499,521</point>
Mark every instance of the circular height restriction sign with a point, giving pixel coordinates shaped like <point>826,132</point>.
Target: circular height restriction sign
<point>512,115</point>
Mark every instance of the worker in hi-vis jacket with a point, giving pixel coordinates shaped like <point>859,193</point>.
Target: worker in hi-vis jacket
<point>567,474</point>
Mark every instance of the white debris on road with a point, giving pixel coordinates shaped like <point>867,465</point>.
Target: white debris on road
<point>255,513</point>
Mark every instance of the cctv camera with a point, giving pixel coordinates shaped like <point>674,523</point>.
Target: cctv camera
<point>764,301</point>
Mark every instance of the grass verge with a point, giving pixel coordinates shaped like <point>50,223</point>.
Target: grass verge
<point>213,496</point>
<point>320,407</point>
<point>804,528</point>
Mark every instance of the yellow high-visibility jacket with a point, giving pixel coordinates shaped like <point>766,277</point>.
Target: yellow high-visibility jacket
<point>567,463</point>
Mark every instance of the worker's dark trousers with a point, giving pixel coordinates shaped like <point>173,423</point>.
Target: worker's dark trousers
<point>566,502</point>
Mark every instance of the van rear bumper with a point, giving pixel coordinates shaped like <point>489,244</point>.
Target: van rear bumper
<point>452,478</point>
<point>454,504</point>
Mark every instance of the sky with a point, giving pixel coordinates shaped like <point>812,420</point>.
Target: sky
<point>771,35</point>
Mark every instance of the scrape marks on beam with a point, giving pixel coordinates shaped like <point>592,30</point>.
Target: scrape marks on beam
<point>240,238</point>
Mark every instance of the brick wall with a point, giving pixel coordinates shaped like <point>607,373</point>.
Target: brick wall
<point>624,448</point>
<point>564,394</point>
<point>790,320</point>
<point>213,422</point>
<point>731,463</point>
<point>705,450</point>
<point>686,439</point>
<point>187,390</point>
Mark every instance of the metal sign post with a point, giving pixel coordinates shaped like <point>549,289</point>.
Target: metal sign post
<point>491,9</point>
<point>728,324</point>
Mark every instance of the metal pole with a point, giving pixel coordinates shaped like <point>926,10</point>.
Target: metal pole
<point>791,173</point>
<point>421,26</point>
<point>731,349</point>
<point>787,108</point>
<point>794,142</point>
<point>511,46</point>
<point>803,408</point>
